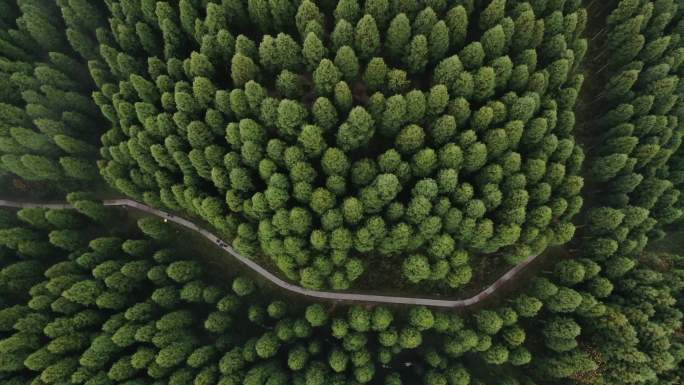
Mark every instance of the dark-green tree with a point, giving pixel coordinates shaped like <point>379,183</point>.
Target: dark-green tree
<point>49,125</point>
<point>479,111</point>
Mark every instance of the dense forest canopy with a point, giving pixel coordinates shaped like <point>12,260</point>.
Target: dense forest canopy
<point>422,133</point>
<point>428,134</point>
<point>420,147</point>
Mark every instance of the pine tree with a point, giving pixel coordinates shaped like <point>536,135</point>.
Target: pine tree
<point>342,34</point>
<point>258,11</point>
<point>375,74</point>
<point>379,10</point>
<point>417,54</point>
<point>288,52</point>
<point>307,12</point>
<point>398,36</point>
<point>242,69</point>
<point>494,42</point>
<point>456,20</point>
<point>492,14</point>
<point>313,51</point>
<point>347,62</point>
<point>357,130</point>
<point>367,37</point>
<point>325,77</point>
<point>438,41</point>
<point>348,10</point>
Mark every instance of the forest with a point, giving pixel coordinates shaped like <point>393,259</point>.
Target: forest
<point>417,148</point>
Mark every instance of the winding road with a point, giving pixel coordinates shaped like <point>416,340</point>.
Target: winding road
<point>326,295</point>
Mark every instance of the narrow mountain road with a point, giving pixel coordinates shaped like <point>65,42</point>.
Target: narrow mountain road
<point>326,295</point>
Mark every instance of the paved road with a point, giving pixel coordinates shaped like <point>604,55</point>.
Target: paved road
<point>327,295</point>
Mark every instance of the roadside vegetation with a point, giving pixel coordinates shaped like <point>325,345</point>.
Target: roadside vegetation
<point>420,146</point>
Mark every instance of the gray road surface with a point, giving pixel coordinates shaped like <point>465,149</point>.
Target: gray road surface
<point>326,295</point>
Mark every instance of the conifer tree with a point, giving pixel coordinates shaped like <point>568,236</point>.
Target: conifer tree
<point>476,127</point>
<point>347,62</point>
<point>313,51</point>
<point>398,36</point>
<point>417,54</point>
<point>367,37</point>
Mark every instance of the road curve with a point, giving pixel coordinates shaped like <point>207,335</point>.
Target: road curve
<point>326,295</point>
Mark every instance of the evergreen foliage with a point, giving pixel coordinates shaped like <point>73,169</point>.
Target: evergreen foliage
<point>421,142</point>
<point>636,165</point>
<point>400,92</point>
<point>110,311</point>
<point>48,122</point>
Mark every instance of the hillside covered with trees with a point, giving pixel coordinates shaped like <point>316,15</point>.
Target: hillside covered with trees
<point>420,147</point>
